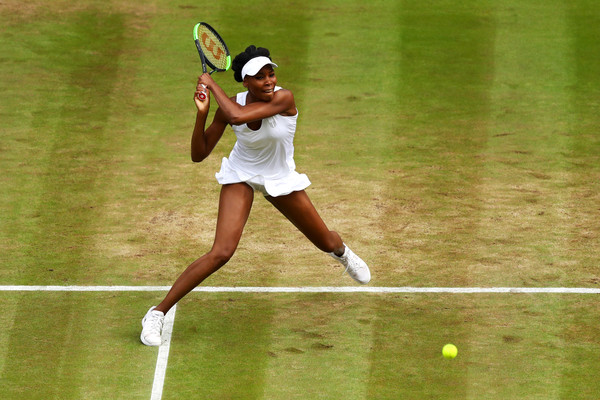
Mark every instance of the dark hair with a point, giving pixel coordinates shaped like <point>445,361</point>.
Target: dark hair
<point>241,59</point>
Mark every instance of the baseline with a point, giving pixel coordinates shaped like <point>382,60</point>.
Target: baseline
<point>304,289</point>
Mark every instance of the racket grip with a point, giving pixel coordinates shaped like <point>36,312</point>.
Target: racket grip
<point>202,95</point>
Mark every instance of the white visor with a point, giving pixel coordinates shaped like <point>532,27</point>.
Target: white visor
<point>254,65</point>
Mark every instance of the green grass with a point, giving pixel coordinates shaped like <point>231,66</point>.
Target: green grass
<point>377,346</point>
<point>450,143</point>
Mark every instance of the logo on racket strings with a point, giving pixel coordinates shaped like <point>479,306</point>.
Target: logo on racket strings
<point>212,46</point>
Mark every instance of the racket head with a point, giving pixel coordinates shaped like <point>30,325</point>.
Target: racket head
<point>212,47</point>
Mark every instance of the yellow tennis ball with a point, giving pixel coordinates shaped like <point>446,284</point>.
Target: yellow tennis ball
<point>449,351</point>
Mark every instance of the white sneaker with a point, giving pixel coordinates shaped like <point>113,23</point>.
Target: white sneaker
<point>152,324</point>
<point>356,268</point>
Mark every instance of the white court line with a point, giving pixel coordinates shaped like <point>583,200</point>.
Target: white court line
<point>163,355</point>
<point>305,289</point>
<point>163,351</point>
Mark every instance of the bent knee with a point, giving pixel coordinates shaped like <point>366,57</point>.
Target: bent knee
<point>221,256</point>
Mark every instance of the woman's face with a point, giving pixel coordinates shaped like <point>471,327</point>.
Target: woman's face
<point>262,85</point>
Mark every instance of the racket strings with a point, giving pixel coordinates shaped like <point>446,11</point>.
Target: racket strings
<point>213,47</point>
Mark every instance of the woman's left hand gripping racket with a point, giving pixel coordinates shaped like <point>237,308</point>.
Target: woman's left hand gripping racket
<point>212,50</point>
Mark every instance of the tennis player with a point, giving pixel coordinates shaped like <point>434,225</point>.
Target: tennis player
<point>264,121</point>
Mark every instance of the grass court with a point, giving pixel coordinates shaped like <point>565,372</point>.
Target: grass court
<point>451,143</point>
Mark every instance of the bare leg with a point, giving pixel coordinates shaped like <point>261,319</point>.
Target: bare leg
<point>234,208</point>
<point>298,208</point>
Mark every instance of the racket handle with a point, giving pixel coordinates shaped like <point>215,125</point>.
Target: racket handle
<point>202,95</point>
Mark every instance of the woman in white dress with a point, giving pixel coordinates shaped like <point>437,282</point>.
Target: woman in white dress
<point>264,121</point>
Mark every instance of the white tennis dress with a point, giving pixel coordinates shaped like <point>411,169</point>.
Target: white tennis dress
<point>264,159</point>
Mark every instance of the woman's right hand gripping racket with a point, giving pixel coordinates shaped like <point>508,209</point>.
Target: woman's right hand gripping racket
<point>212,50</point>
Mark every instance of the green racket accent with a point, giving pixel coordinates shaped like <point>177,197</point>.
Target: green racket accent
<point>196,30</point>
<point>211,47</point>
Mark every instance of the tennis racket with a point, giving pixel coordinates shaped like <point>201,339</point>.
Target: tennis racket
<point>212,50</point>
